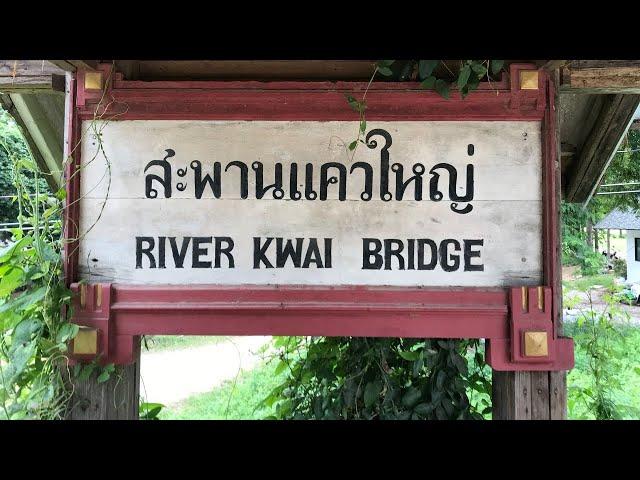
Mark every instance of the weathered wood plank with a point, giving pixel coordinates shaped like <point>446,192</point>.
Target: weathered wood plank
<point>536,395</point>
<point>613,121</point>
<point>511,395</point>
<point>551,65</point>
<point>558,395</point>
<point>32,84</point>
<point>29,68</point>
<point>42,118</point>
<point>540,396</point>
<point>256,69</point>
<point>506,212</point>
<point>590,77</point>
<point>116,399</point>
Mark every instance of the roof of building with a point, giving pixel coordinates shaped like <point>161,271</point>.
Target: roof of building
<point>622,219</point>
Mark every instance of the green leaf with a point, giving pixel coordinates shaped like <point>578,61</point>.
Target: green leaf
<point>412,397</point>
<point>428,83</point>
<point>104,376</point>
<point>385,63</point>
<point>86,372</point>
<point>386,71</point>
<point>280,367</point>
<point>7,253</point>
<point>20,357</point>
<point>423,409</point>
<point>463,76</point>
<point>372,392</point>
<point>460,364</point>
<point>67,332</point>
<point>442,88</point>
<point>24,330</point>
<point>411,356</point>
<point>426,67</point>
<point>353,145</point>
<point>363,126</point>
<point>479,69</point>
<point>61,194</point>
<point>10,281</point>
<point>496,66</point>
<point>24,300</point>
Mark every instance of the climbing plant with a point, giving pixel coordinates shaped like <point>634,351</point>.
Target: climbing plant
<point>35,304</point>
<point>432,74</point>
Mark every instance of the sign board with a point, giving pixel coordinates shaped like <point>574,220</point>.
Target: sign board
<point>237,208</point>
<point>418,203</point>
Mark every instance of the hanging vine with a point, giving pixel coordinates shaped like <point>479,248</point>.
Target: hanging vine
<point>35,305</point>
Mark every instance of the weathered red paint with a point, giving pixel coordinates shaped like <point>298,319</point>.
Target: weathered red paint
<point>127,311</point>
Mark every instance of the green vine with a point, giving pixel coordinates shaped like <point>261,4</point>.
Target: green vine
<point>35,305</point>
<point>432,75</point>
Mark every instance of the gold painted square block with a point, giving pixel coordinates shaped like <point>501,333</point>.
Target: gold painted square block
<point>535,344</point>
<point>528,80</point>
<point>93,80</point>
<point>86,341</point>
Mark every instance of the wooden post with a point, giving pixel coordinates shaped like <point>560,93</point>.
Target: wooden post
<point>536,395</point>
<point>115,399</point>
<point>595,240</point>
<point>608,244</point>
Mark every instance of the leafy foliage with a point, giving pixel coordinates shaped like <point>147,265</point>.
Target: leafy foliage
<point>34,303</point>
<point>620,267</point>
<point>379,378</point>
<point>13,142</point>
<point>150,411</point>
<point>576,250</point>
<point>600,352</point>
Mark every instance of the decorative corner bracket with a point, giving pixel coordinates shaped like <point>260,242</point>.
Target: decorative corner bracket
<point>532,343</point>
<point>97,338</point>
<point>527,82</point>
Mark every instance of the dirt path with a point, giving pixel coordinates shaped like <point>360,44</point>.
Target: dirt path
<point>173,375</point>
<point>599,305</point>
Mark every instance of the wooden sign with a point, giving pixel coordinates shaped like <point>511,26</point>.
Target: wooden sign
<point>237,208</point>
<point>418,203</point>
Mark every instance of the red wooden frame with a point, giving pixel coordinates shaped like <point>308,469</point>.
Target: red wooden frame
<point>123,312</point>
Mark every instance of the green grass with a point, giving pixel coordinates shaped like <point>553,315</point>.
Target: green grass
<point>229,401</point>
<point>585,283</point>
<point>158,343</point>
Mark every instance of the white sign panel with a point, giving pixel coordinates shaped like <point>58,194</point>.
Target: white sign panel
<point>419,203</point>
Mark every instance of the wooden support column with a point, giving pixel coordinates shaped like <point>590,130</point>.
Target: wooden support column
<point>116,399</point>
<point>537,395</point>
